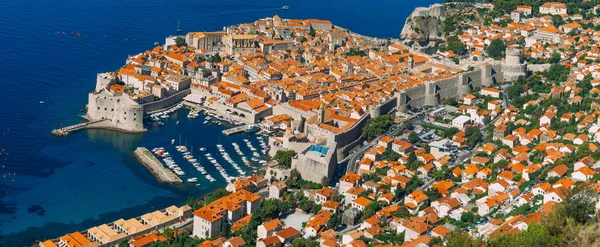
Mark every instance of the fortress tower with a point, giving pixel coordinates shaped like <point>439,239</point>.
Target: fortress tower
<point>512,66</point>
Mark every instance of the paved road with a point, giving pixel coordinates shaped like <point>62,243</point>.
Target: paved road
<point>351,167</point>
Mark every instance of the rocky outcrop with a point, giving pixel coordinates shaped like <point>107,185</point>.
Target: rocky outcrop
<point>425,24</point>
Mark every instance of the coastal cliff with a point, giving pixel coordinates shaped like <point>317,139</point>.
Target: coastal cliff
<point>429,23</point>
<point>425,24</point>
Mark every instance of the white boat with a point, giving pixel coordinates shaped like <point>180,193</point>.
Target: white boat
<point>172,141</point>
<point>192,180</point>
<point>202,149</point>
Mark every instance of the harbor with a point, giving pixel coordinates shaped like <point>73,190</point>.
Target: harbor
<point>162,174</point>
<point>180,156</point>
<point>236,130</point>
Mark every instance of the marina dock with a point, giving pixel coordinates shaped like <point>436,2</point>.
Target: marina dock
<point>162,174</point>
<point>235,130</point>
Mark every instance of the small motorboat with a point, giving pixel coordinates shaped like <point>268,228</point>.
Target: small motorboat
<point>41,102</point>
<point>285,7</point>
<point>172,141</point>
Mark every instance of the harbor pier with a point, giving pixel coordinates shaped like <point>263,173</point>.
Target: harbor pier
<point>235,130</point>
<point>162,174</point>
<point>94,124</point>
<point>76,127</point>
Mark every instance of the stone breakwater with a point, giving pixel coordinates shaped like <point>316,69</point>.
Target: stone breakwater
<point>157,169</point>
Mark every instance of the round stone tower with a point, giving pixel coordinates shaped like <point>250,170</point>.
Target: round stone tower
<point>512,66</point>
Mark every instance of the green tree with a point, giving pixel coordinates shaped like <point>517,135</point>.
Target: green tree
<point>325,181</point>
<point>216,58</point>
<point>496,49</point>
<point>377,126</point>
<point>168,233</point>
<point>369,210</point>
<point>334,221</point>
<point>124,243</point>
<point>581,205</point>
<point>398,194</point>
<point>294,179</point>
<point>436,241</point>
<point>458,238</point>
<point>180,41</point>
<point>455,45</point>
<point>413,137</point>
<point>284,157</point>
<point>311,32</point>
<point>304,242</point>
<point>467,217</point>
<point>501,164</point>
<point>473,135</point>
<point>225,229</point>
<point>390,155</point>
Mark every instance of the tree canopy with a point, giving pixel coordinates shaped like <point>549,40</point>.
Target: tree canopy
<point>496,49</point>
<point>180,41</point>
<point>284,157</point>
<point>377,126</point>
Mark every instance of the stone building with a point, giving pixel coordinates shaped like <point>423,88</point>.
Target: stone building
<point>512,66</point>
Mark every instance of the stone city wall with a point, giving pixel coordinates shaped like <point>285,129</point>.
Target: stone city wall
<point>432,93</point>
<point>165,103</point>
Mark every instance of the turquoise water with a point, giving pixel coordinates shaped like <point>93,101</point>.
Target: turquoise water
<point>49,185</point>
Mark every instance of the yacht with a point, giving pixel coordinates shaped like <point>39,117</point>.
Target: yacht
<point>192,180</point>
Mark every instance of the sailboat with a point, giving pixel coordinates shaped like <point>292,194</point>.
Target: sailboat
<point>179,27</point>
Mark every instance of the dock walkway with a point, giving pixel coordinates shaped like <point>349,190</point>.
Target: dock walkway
<point>235,130</point>
<point>76,127</point>
<point>162,174</point>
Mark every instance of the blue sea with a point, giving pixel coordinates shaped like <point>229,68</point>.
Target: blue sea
<point>51,51</point>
